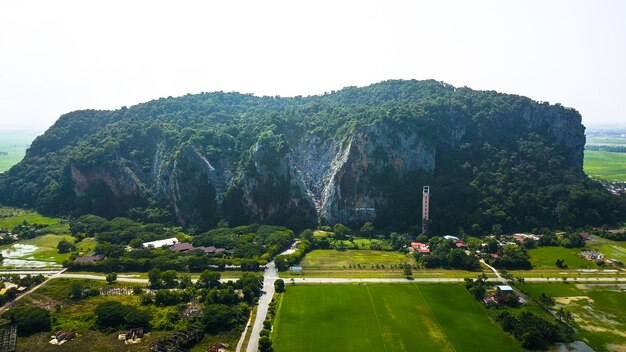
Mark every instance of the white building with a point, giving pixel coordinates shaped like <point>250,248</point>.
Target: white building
<point>160,243</point>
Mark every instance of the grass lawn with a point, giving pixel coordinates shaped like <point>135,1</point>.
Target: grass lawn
<point>599,311</point>
<point>330,258</point>
<point>545,257</point>
<point>607,165</point>
<point>404,317</point>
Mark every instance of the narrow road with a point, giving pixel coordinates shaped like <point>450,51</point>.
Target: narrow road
<point>271,275</point>
<point>495,271</point>
<point>33,289</point>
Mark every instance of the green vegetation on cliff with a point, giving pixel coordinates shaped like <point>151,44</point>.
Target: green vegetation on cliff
<point>356,155</point>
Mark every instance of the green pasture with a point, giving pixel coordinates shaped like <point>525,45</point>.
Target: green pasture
<point>545,257</point>
<point>330,258</point>
<point>403,317</point>
<point>606,165</point>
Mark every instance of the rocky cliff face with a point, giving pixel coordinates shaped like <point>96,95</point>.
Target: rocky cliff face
<point>358,155</point>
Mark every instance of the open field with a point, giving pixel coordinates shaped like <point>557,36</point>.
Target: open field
<point>605,140</point>
<point>599,311</point>
<point>545,257</point>
<point>11,217</point>
<point>606,165</point>
<point>328,258</point>
<point>404,317</point>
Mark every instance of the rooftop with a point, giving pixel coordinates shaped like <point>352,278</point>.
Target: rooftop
<point>89,259</point>
<point>160,243</point>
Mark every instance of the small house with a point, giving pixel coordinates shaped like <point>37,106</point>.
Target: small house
<point>181,247</point>
<point>461,245</point>
<point>208,250</point>
<point>89,259</point>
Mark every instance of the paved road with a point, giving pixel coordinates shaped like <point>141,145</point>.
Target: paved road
<point>271,275</point>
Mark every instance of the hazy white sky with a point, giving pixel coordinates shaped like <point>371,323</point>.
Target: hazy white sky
<point>58,56</point>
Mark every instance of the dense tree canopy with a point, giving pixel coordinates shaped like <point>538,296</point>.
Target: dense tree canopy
<point>499,160</point>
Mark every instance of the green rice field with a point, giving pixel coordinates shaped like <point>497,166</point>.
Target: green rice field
<point>403,317</point>
<point>607,165</point>
<point>330,258</point>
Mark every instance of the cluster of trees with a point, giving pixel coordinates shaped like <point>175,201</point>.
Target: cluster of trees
<point>145,260</point>
<point>611,235</point>
<point>607,148</point>
<point>250,241</point>
<point>511,257</point>
<point>549,238</point>
<point>533,332</point>
<point>477,287</point>
<point>120,231</point>
<point>27,281</point>
<point>248,247</point>
<point>23,231</point>
<point>505,168</point>
<point>113,315</point>
<point>225,310</point>
<point>28,319</point>
<point>65,246</point>
<point>445,254</point>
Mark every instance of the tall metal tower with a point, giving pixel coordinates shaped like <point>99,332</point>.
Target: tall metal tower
<point>425,208</point>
